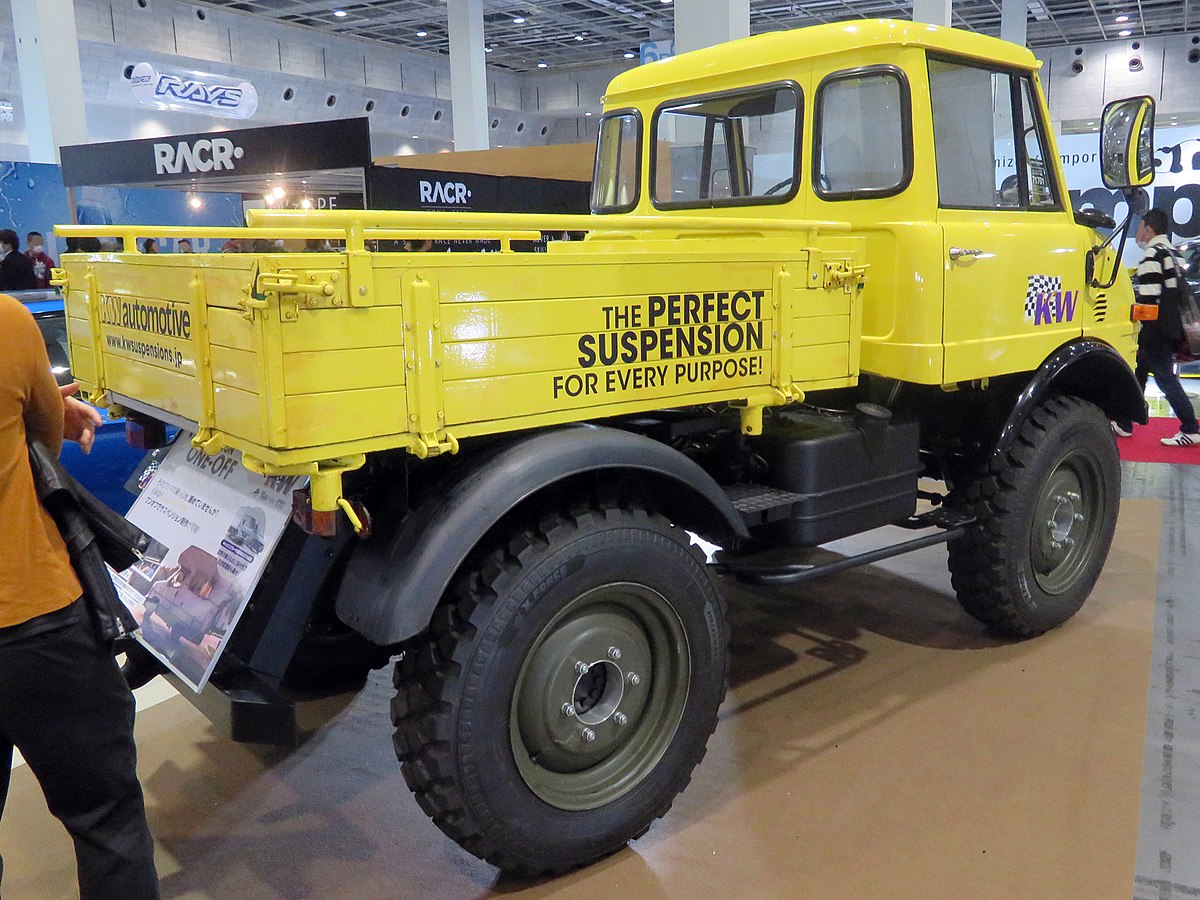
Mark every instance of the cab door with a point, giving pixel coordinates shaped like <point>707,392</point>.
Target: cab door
<point>1015,286</point>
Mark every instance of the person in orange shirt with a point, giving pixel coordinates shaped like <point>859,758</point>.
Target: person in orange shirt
<point>63,702</point>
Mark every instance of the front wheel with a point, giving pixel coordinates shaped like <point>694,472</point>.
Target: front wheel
<point>1045,516</point>
<point>565,691</point>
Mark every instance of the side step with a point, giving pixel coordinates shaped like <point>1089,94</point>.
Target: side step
<point>953,524</point>
<point>759,504</point>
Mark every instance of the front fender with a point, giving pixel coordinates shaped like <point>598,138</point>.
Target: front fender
<point>396,579</point>
<point>1086,368</point>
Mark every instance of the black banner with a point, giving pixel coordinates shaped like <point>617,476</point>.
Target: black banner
<point>319,200</point>
<point>184,158</point>
<point>424,189</point>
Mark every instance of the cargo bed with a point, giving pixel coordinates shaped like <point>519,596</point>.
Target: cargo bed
<point>307,361</point>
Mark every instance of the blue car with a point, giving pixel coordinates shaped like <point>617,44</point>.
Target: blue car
<point>112,461</point>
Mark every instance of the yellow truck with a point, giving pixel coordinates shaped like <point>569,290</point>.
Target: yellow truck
<point>822,266</point>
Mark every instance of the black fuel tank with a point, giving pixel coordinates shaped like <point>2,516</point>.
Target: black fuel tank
<point>854,471</point>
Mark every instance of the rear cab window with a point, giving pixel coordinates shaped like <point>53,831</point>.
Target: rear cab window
<point>737,148</point>
<point>863,134</point>
<point>616,181</point>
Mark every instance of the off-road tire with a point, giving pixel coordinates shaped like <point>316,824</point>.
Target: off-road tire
<point>1014,570</point>
<point>474,724</point>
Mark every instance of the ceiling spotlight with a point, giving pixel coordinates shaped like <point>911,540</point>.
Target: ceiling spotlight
<point>1124,32</point>
<point>541,65</point>
<point>1122,18</point>
<point>422,33</point>
<point>417,137</point>
<point>588,113</point>
<point>629,54</point>
<point>194,201</point>
<point>306,203</point>
<point>666,1</point>
<point>487,49</point>
<point>518,20</point>
<point>340,13</point>
<point>278,192</point>
<point>579,37</point>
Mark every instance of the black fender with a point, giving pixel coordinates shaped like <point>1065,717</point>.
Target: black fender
<point>1087,368</point>
<point>395,580</point>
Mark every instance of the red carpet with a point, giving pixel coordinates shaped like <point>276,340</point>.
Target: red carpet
<point>1144,445</point>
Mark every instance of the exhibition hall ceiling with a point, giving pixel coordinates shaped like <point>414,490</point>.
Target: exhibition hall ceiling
<point>526,36</point>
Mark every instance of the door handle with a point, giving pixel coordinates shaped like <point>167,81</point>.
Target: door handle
<point>959,253</point>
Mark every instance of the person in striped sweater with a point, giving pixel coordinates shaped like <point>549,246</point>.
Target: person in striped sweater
<point>1157,283</point>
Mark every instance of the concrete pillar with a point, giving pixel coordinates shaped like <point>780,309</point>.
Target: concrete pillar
<point>1014,18</point>
<point>468,75</point>
<point>51,78</point>
<point>703,23</point>
<point>932,12</point>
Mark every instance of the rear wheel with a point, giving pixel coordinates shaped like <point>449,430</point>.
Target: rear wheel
<point>565,691</point>
<point>1045,516</point>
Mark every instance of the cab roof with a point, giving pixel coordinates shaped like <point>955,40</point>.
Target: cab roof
<point>780,47</point>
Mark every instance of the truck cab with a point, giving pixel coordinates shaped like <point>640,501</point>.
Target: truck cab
<point>932,144</point>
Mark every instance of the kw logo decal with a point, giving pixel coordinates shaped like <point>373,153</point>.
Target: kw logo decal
<point>1046,303</point>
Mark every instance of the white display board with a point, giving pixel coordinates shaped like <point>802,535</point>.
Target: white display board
<point>1176,186</point>
<point>214,525</point>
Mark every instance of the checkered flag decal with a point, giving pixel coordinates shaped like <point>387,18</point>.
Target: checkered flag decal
<point>1039,284</point>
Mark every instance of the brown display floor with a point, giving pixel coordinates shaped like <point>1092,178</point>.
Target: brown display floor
<point>875,743</point>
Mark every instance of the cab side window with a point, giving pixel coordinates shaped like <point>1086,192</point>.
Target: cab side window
<point>732,149</point>
<point>864,136</point>
<point>989,139</point>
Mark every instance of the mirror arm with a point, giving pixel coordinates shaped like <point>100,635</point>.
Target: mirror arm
<point>1107,242</point>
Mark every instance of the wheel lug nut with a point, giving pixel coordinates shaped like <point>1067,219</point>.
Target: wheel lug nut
<point>568,710</point>
<point>614,653</point>
<point>1074,498</point>
<point>620,718</point>
<point>588,735</point>
<point>1078,517</point>
<point>581,667</point>
<point>633,678</point>
<point>1056,546</point>
<point>1069,543</point>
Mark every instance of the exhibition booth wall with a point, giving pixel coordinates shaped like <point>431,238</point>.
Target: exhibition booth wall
<point>304,74</point>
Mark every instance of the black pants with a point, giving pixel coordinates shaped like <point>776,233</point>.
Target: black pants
<point>1159,361</point>
<point>65,706</point>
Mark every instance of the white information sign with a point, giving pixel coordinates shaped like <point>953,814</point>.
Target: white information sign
<point>1176,187</point>
<point>215,525</point>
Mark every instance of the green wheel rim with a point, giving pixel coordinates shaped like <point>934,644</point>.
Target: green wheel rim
<point>600,696</point>
<point>1067,523</point>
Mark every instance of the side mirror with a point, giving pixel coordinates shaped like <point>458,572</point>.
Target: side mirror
<point>1127,143</point>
